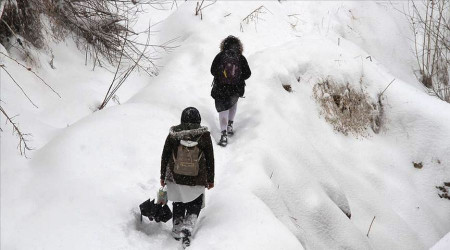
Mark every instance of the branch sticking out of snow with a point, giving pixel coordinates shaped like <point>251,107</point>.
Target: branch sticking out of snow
<point>23,145</point>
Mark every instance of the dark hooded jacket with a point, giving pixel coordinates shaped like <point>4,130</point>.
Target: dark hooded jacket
<point>191,132</point>
<point>223,92</point>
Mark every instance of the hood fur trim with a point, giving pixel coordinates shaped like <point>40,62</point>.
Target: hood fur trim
<point>183,134</point>
<point>231,40</point>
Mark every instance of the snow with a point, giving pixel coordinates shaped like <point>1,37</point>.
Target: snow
<point>285,181</point>
<point>443,243</point>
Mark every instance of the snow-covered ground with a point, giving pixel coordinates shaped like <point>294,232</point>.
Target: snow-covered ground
<point>285,179</point>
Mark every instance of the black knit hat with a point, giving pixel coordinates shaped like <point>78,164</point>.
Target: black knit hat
<point>190,115</point>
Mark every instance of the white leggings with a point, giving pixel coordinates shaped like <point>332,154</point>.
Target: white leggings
<point>227,115</point>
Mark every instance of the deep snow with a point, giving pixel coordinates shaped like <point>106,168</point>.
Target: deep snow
<point>285,178</point>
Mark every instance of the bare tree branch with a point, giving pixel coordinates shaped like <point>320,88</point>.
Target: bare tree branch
<point>23,145</point>
<point>34,73</point>
<point>18,85</point>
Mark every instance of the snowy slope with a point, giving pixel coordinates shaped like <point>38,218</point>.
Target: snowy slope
<point>286,178</point>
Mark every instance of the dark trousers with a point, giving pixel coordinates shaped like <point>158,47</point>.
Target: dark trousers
<point>182,210</point>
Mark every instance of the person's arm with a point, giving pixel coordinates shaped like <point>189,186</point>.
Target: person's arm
<point>215,65</point>
<point>209,157</point>
<point>246,72</point>
<point>166,154</point>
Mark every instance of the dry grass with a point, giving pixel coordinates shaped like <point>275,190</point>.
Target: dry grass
<point>350,111</point>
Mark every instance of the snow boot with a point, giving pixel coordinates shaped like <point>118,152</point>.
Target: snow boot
<point>223,139</point>
<point>176,229</point>
<point>186,238</point>
<point>188,228</point>
<point>230,130</point>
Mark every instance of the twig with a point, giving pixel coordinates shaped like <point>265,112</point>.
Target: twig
<point>370,226</point>
<point>119,80</point>
<point>115,74</point>
<point>29,69</point>
<point>254,16</point>
<point>12,32</point>
<point>387,86</point>
<point>23,146</point>
<point>20,87</point>
<point>199,8</point>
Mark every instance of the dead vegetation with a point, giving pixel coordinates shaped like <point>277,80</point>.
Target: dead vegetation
<point>200,7</point>
<point>254,17</point>
<point>100,28</point>
<point>443,191</point>
<point>418,165</point>
<point>23,137</point>
<point>348,110</point>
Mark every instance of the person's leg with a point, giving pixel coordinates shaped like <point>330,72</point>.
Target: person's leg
<point>178,214</point>
<point>223,120</point>
<point>194,206</point>
<point>231,115</point>
<point>192,212</point>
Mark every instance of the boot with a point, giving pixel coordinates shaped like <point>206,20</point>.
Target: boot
<point>223,139</point>
<point>230,130</point>
<point>186,239</point>
<point>176,229</point>
<point>188,227</point>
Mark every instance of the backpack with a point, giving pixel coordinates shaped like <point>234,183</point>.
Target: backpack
<point>230,68</point>
<point>187,160</point>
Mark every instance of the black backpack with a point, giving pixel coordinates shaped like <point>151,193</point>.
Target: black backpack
<point>229,68</point>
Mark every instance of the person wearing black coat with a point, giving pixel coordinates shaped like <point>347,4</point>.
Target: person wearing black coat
<point>226,95</point>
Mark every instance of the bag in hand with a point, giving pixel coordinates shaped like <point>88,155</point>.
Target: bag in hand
<point>159,211</point>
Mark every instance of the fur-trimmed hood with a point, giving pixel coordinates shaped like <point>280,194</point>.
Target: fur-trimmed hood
<point>186,134</point>
<point>231,42</point>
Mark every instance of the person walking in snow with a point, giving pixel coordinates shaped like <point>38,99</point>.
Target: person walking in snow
<point>187,167</point>
<point>230,70</point>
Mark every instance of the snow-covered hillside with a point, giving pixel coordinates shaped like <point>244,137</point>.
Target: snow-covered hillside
<point>285,181</point>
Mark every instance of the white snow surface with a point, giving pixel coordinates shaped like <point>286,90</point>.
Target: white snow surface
<point>285,179</point>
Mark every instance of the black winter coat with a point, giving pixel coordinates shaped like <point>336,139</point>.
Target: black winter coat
<point>220,91</point>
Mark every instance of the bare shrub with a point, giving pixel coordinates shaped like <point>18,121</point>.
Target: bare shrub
<point>350,111</point>
<point>20,27</point>
<point>430,22</point>
<point>19,18</point>
<point>102,28</point>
